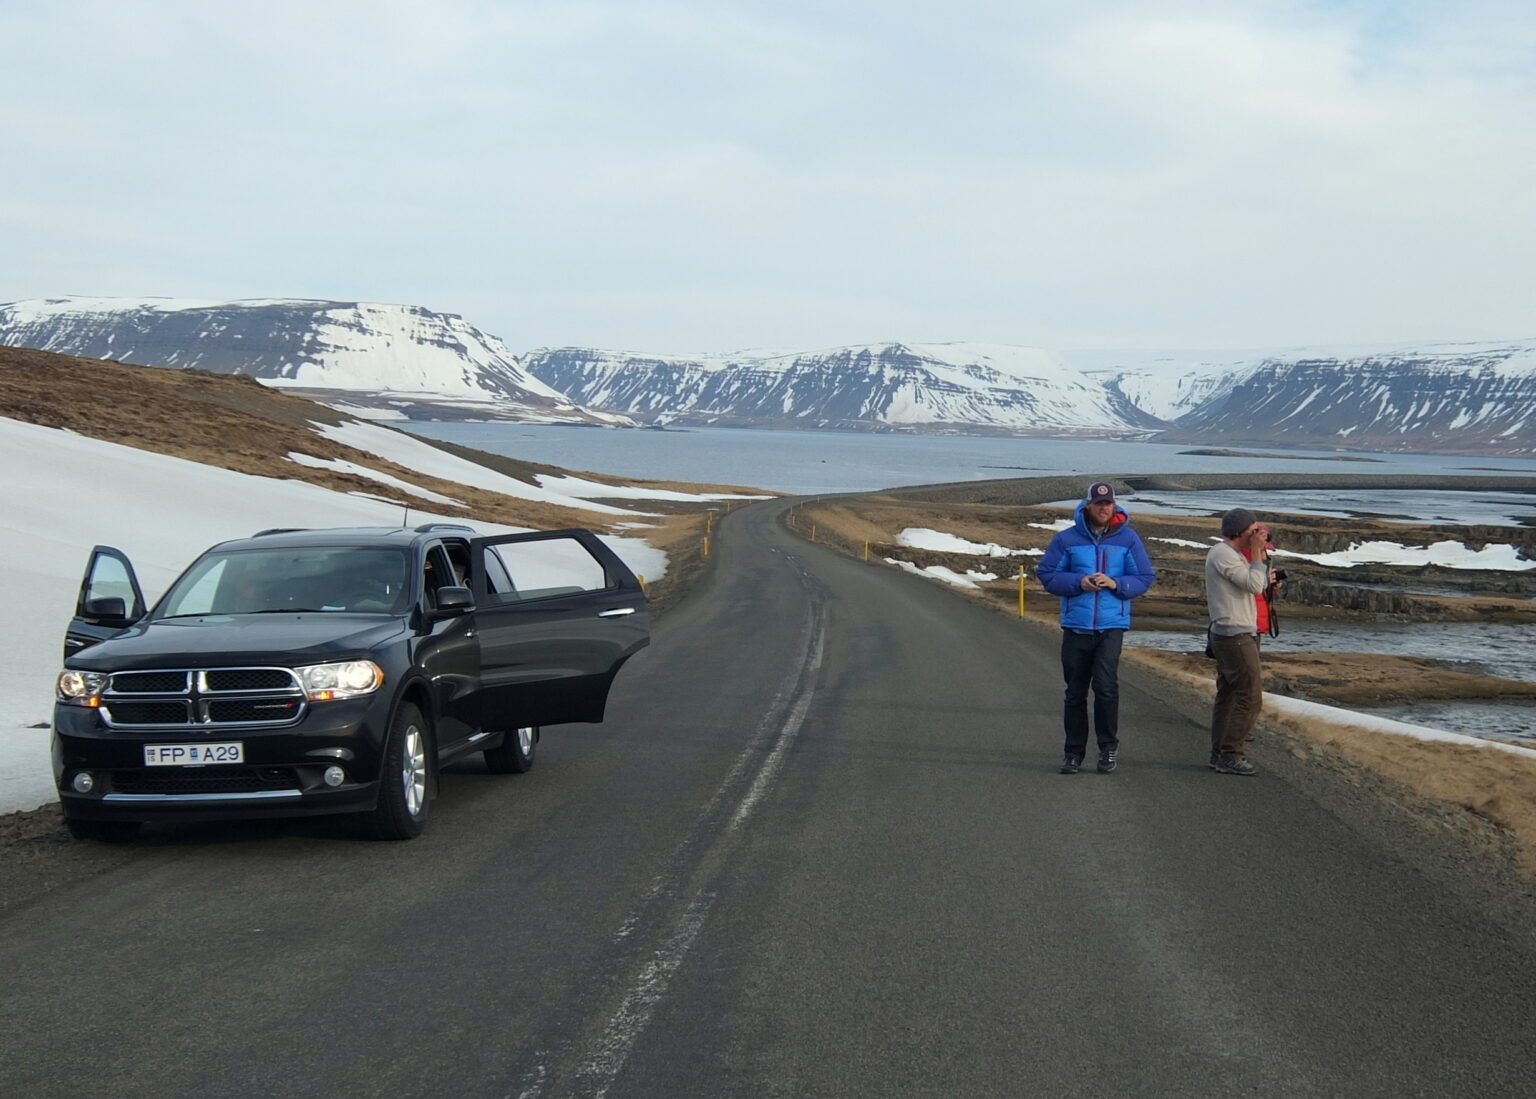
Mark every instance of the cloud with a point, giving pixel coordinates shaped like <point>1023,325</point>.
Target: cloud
<point>683,175</point>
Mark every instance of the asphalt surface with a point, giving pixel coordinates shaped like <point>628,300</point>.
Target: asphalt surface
<point>819,848</point>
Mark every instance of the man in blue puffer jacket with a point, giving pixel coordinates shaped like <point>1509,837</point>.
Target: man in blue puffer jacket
<point>1097,566</point>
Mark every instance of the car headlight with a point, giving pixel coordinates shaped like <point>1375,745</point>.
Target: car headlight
<point>348,679</point>
<point>80,688</point>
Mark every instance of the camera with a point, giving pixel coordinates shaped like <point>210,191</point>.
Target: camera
<point>1281,574</point>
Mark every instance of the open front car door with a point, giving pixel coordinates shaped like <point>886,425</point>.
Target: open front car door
<point>110,600</point>
<point>557,614</point>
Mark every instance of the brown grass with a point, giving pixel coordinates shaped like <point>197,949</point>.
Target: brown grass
<point>236,423</point>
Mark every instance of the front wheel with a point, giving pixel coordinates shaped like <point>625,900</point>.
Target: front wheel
<point>514,755</point>
<point>401,813</point>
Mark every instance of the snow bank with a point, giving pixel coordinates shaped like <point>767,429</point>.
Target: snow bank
<point>1451,555</point>
<point>410,452</point>
<point>936,540</point>
<point>588,490</point>
<point>1336,716</point>
<point>970,579</point>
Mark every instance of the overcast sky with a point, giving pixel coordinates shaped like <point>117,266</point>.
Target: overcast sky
<point>689,176</point>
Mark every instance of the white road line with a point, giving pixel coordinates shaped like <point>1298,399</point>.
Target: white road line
<point>605,1060</point>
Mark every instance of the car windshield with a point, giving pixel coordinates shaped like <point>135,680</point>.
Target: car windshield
<point>347,579</point>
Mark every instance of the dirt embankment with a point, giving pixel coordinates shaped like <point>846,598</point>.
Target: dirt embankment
<point>1479,796</point>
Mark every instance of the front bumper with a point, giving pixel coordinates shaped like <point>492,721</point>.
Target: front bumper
<point>281,775</point>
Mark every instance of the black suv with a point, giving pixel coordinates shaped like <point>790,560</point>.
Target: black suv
<point>299,672</point>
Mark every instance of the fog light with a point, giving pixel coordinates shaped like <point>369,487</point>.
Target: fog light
<point>83,782</point>
<point>335,776</point>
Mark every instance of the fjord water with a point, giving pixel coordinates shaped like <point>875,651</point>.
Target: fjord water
<point>810,462</point>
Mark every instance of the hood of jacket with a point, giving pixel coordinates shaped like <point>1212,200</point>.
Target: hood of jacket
<point>1116,521</point>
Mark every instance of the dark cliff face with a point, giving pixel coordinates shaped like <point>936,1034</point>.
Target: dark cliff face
<point>1372,404</point>
<point>264,341</point>
<point>326,345</point>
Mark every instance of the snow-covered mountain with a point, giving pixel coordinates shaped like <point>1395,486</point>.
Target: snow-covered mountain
<point>956,387</point>
<point>403,361</point>
<point>1457,397</point>
<point>1472,398</point>
<point>391,361</point>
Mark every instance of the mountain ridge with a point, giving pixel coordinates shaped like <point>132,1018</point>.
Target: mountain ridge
<point>408,362</point>
<point>390,360</point>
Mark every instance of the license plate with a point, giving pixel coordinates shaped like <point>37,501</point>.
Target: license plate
<point>193,755</point>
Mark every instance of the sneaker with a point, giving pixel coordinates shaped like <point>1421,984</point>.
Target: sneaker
<point>1107,761</point>
<point>1071,764</point>
<point>1215,759</point>
<point>1234,765</point>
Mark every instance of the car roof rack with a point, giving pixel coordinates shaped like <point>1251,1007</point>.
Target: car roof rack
<point>278,530</point>
<point>426,528</point>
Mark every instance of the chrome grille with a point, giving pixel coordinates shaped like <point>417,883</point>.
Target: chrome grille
<point>135,712</point>
<point>247,679</point>
<point>149,683</point>
<point>246,710</point>
<point>202,698</point>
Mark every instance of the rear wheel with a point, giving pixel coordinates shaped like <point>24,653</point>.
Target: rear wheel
<point>402,809</point>
<point>107,831</point>
<point>514,755</point>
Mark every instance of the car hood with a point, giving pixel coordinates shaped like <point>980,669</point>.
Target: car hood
<point>221,640</point>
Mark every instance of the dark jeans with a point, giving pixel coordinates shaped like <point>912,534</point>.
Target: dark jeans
<point>1091,659</point>
<point>1239,692</point>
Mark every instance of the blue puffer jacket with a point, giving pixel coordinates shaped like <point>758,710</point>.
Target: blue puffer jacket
<point>1075,553</point>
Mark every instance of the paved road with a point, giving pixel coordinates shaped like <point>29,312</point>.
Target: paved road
<point>819,849</point>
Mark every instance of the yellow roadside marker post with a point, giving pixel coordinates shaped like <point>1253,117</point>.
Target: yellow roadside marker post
<point>866,551</point>
<point>706,545</point>
<point>1022,577</point>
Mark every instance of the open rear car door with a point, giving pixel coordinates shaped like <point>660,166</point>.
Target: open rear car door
<point>110,600</point>
<point>557,615</point>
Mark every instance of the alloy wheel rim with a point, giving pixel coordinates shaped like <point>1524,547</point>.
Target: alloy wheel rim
<point>525,740</point>
<point>413,771</point>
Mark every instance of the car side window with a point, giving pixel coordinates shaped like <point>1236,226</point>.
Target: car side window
<point>458,561</point>
<point>497,582</point>
<point>543,568</point>
<point>109,580</point>
<point>436,572</point>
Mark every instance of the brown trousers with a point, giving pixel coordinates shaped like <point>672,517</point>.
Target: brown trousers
<point>1239,692</point>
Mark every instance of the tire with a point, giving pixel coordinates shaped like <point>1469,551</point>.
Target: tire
<point>107,831</point>
<point>514,755</point>
<point>405,783</point>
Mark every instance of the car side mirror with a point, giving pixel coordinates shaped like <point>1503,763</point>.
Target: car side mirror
<point>453,602</point>
<point>107,611</point>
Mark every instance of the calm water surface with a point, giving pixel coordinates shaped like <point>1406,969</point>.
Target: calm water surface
<point>808,462</point>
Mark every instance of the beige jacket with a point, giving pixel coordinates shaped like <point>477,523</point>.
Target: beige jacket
<point>1231,582</point>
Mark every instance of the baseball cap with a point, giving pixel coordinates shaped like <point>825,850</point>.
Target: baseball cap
<point>1101,490</point>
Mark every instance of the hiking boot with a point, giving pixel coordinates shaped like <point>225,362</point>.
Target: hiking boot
<point>1107,761</point>
<point>1071,765</point>
<point>1234,765</point>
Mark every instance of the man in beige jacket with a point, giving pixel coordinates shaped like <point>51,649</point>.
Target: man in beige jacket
<point>1231,582</point>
